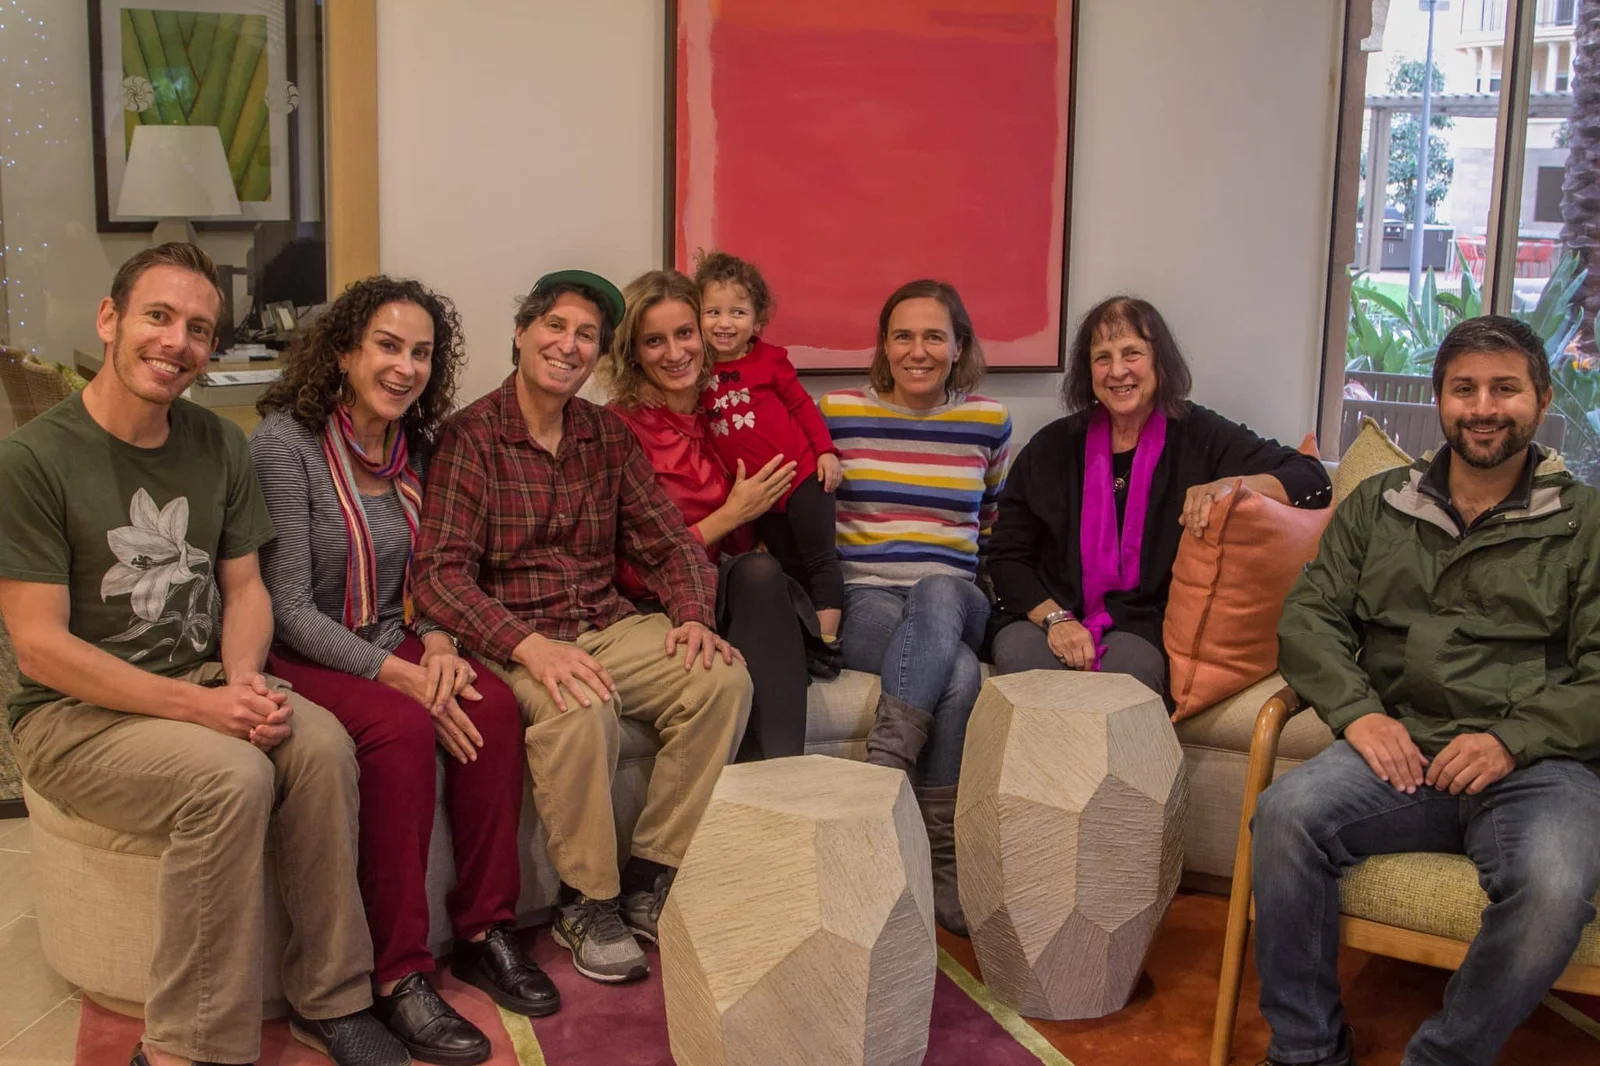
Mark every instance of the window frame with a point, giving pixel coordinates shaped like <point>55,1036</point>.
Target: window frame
<point>1520,21</point>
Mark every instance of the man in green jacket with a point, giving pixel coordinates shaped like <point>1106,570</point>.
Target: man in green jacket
<point>1449,634</point>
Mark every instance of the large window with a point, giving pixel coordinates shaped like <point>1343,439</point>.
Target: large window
<point>1510,215</point>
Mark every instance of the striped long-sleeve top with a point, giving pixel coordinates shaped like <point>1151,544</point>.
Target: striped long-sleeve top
<point>920,488</point>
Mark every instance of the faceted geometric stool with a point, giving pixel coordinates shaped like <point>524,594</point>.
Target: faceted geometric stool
<point>1069,837</point>
<point>800,927</point>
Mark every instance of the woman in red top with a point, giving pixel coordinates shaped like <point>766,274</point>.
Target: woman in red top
<point>655,371</point>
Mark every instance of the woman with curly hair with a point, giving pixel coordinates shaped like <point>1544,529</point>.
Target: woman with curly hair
<point>655,371</point>
<point>340,455</point>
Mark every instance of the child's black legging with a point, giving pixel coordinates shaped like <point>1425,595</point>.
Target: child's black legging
<point>803,541</point>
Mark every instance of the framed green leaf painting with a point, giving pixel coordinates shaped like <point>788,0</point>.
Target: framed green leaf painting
<point>222,63</point>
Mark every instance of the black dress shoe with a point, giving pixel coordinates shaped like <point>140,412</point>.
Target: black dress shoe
<point>498,965</point>
<point>356,1039</point>
<point>428,1026</point>
<point>140,1060</point>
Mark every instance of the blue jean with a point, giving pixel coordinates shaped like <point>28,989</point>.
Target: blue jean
<point>1531,834</point>
<point>923,642</point>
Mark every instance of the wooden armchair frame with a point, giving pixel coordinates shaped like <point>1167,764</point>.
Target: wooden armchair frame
<point>1375,937</point>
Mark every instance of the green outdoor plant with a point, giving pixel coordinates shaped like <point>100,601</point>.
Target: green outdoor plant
<point>1418,325</point>
<point>1392,337</point>
<point>1373,343</point>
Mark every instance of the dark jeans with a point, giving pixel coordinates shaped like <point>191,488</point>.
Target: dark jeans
<point>923,642</point>
<point>1023,646</point>
<point>758,618</point>
<point>1533,838</point>
<point>804,540</point>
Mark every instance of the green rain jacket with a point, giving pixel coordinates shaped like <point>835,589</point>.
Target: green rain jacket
<point>1493,630</point>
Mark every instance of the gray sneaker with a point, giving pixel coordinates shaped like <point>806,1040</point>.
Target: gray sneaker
<point>602,948</point>
<point>642,910</point>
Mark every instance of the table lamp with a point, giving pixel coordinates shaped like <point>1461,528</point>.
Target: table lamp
<point>176,173</point>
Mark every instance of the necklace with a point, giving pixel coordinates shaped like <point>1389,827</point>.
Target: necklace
<point>1119,484</point>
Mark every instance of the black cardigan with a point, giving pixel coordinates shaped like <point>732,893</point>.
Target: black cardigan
<point>1033,553</point>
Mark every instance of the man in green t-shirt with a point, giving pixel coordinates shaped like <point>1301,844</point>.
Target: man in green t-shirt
<point>129,523</point>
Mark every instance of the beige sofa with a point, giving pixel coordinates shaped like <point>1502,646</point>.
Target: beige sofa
<point>95,888</point>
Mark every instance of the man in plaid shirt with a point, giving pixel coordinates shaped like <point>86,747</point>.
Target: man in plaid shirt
<point>533,495</point>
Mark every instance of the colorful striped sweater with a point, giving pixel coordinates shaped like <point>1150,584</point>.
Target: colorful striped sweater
<point>920,488</point>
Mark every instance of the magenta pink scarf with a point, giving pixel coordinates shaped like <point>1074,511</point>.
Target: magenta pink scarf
<point>1110,561</point>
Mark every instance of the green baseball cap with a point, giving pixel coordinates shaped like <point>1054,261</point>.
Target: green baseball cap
<point>614,304</point>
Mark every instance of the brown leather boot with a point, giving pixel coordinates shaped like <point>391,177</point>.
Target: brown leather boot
<point>898,733</point>
<point>939,815</point>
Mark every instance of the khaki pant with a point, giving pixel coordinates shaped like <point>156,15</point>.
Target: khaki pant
<point>699,715</point>
<point>217,798</point>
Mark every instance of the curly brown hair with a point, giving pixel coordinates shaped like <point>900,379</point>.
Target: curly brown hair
<point>312,384</point>
<point>967,367</point>
<point>620,372</point>
<point>722,268</point>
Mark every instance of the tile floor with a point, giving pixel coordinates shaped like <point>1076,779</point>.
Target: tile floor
<point>38,1010</point>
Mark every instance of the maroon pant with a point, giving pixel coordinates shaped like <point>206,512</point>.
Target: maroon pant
<point>395,750</point>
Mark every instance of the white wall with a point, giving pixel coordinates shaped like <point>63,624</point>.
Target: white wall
<point>516,137</point>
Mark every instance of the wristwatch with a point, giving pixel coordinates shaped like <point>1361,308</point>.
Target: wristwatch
<point>1055,616</point>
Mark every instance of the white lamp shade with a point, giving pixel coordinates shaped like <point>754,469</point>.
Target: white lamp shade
<point>177,172</point>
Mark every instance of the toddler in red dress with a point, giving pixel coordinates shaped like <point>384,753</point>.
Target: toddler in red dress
<point>759,409</point>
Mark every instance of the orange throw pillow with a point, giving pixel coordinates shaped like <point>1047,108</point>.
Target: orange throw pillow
<point>1228,588</point>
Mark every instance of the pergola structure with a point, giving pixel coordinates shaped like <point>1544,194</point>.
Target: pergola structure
<point>1454,105</point>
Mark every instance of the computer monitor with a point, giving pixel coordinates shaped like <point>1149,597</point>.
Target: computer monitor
<point>288,264</point>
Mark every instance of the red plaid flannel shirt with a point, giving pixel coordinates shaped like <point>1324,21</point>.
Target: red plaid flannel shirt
<point>514,540</point>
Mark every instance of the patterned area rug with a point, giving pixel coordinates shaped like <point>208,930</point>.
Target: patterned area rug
<point>617,1025</point>
<point>1168,1023</point>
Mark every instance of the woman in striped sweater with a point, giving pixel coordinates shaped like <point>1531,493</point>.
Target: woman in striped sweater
<point>340,457</point>
<point>924,461</point>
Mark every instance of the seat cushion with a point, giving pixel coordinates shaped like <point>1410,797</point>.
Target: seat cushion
<point>1371,453</point>
<point>842,709</point>
<point>1230,725</point>
<point>1431,893</point>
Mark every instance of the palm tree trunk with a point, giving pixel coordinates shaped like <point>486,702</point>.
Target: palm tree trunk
<point>1580,189</point>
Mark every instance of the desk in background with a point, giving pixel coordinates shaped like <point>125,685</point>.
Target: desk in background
<point>236,403</point>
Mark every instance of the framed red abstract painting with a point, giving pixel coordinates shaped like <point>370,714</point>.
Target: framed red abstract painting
<point>849,146</point>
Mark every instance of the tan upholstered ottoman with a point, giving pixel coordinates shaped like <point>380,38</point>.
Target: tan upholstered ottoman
<point>94,892</point>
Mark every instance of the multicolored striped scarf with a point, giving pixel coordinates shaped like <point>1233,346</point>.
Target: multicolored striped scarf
<point>361,578</point>
<point>1111,557</point>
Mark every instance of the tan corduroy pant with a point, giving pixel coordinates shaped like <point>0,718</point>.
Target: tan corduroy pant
<point>699,715</point>
<point>217,797</point>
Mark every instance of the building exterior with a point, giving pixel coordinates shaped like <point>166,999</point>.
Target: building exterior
<point>1481,32</point>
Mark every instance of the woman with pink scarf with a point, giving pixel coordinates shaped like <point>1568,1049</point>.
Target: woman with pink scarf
<point>1096,503</point>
